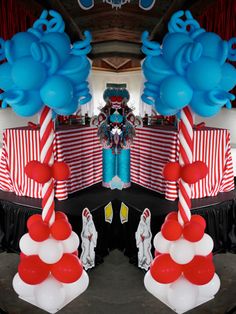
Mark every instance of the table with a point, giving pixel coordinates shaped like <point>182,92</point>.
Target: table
<point>152,149</point>
<point>79,147</point>
<point>155,146</point>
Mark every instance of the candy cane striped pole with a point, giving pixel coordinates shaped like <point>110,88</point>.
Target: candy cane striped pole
<point>46,156</point>
<point>185,157</point>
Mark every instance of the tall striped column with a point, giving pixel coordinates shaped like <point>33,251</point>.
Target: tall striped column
<point>46,156</point>
<point>185,157</point>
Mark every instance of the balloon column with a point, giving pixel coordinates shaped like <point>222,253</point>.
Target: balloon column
<point>43,67</point>
<point>187,73</point>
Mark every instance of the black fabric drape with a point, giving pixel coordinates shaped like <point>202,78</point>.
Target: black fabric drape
<point>221,226</point>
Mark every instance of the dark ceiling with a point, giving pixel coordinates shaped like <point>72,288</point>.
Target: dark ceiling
<point>116,33</point>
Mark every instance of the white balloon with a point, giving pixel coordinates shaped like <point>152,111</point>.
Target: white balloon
<point>21,288</point>
<point>50,294</point>
<point>182,251</point>
<point>211,288</point>
<point>182,295</point>
<point>159,290</point>
<point>71,244</point>
<point>28,246</point>
<point>161,244</point>
<point>204,246</point>
<point>50,251</point>
<point>76,288</point>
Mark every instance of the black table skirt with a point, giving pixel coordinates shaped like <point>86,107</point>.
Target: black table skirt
<point>220,217</point>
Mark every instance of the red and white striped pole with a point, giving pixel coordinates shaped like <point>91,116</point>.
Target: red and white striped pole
<point>185,157</point>
<point>46,156</point>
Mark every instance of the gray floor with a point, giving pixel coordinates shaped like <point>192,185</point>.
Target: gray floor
<point>116,287</point>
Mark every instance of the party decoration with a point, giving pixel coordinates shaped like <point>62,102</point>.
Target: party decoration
<point>108,213</point>
<point>116,129</point>
<point>189,68</point>
<point>186,74</point>
<point>43,67</point>
<point>32,270</point>
<point>164,269</point>
<point>117,4</point>
<point>89,237</point>
<point>143,237</point>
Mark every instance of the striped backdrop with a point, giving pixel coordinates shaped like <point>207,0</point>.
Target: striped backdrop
<point>154,147</point>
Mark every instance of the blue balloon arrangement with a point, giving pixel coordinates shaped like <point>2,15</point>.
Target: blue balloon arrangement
<point>43,68</point>
<point>189,68</point>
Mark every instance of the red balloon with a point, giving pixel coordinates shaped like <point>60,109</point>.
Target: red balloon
<point>171,171</point>
<point>171,230</point>
<point>172,216</point>
<point>38,171</point>
<point>210,256</point>
<point>61,229</point>
<point>199,271</point>
<point>202,169</point>
<point>68,269</point>
<point>39,231</point>
<point>32,270</point>
<point>199,219</point>
<point>60,171</point>
<point>23,256</point>
<point>33,219</point>
<point>60,215</point>
<point>30,167</point>
<point>194,172</point>
<point>164,269</point>
<point>193,231</point>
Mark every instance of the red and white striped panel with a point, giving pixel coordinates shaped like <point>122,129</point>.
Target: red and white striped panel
<point>81,150</point>
<point>79,147</point>
<point>153,148</point>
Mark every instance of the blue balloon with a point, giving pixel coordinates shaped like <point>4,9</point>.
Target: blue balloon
<point>213,46</point>
<point>6,81</point>
<point>164,110</point>
<point>70,109</point>
<point>228,77</point>
<point>202,106</point>
<point>204,74</point>
<point>172,42</point>
<point>57,92</point>
<point>19,46</point>
<point>175,92</point>
<point>156,69</point>
<point>28,73</point>
<point>76,68</point>
<point>31,105</point>
<point>60,42</point>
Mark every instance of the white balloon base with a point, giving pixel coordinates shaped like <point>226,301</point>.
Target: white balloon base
<point>181,296</point>
<point>51,295</point>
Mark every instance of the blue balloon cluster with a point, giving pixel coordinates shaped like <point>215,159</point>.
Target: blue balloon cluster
<point>189,68</point>
<point>43,68</point>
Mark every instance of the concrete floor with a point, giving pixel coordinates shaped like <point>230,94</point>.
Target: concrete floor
<point>116,287</point>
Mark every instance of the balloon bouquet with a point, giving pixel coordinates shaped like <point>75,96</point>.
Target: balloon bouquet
<point>43,67</point>
<point>187,73</point>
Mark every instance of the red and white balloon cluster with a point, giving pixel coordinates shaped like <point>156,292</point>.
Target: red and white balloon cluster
<point>50,273</point>
<point>42,172</point>
<point>182,273</point>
